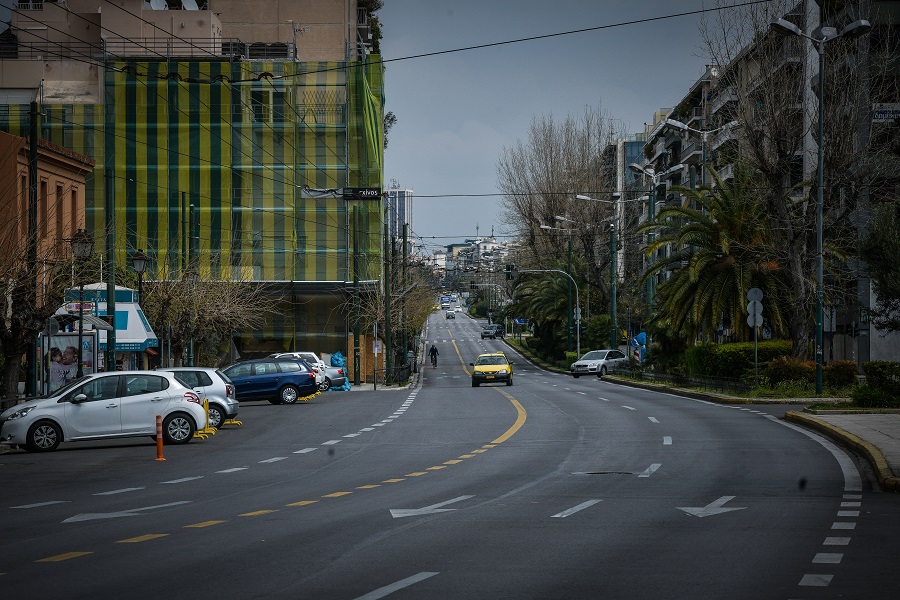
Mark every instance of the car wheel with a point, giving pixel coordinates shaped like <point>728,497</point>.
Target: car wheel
<point>575,376</point>
<point>509,381</point>
<point>326,383</point>
<point>43,436</point>
<point>216,416</point>
<point>178,428</point>
<point>602,371</point>
<point>288,394</point>
<point>474,384</point>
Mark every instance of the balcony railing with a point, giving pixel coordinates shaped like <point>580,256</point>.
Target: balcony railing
<point>158,48</point>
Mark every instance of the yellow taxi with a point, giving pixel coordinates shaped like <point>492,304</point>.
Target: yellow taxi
<point>488,368</point>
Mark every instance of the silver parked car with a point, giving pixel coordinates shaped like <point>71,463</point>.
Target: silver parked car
<point>212,385</point>
<point>335,376</point>
<point>106,405</point>
<point>598,362</point>
<point>313,361</point>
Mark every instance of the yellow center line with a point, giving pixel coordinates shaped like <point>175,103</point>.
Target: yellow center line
<point>368,487</point>
<point>204,524</point>
<point>467,456</point>
<point>416,474</point>
<point>143,538</point>
<point>452,462</point>
<point>336,494</point>
<point>437,468</point>
<point>479,451</point>
<point>520,420</point>
<point>257,513</point>
<point>62,557</point>
<point>461,361</point>
<point>393,480</point>
<point>302,503</point>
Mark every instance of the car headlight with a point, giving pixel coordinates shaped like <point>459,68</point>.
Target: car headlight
<point>20,413</point>
<point>502,372</point>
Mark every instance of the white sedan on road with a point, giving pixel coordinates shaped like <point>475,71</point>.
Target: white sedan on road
<point>598,362</point>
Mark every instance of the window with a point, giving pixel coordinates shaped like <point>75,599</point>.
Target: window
<point>265,368</point>
<point>102,388</point>
<point>187,378</point>
<point>289,367</point>
<point>261,105</point>
<point>239,371</point>
<point>144,384</point>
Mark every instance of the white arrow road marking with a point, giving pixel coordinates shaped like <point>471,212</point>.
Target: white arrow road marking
<point>399,585</point>
<point>574,509</point>
<point>133,512</point>
<point>398,513</point>
<point>713,508</point>
<point>650,470</point>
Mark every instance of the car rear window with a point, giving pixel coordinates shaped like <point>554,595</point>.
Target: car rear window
<point>223,376</point>
<point>289,366</point>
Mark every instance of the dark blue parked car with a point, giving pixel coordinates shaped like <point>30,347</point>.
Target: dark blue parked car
<point>280,381</point>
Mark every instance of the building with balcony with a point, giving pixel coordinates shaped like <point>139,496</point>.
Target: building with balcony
<point>215,129</point>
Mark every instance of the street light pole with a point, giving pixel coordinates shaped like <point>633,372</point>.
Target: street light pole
<point>826,34</point>
<point>82,247</point>
<point>139,262</point>
<point>613,270</point>
<point>577,305</point>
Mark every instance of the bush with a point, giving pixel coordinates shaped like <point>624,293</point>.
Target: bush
<point>730,360</point>
<point>883,374</point>
<point>869,396</point>
<point>787,368</point>
<point>839,373</point>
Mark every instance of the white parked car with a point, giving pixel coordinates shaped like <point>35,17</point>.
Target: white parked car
<point>598,362</point>
<point>312,359</point>
<point>212,385</point>
<point>105,405</point>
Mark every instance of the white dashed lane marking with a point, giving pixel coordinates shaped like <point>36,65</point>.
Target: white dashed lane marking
<point>234,470</point>
<point>122,491</point>
<point>305,450</point>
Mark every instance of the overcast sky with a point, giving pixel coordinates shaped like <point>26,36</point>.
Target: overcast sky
<point>456,112</point>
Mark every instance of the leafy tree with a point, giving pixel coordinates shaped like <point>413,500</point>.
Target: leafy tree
<point>880,249</point>
<point>719,248</point>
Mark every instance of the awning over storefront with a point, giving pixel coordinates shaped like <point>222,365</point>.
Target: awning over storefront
<point>133,331</point>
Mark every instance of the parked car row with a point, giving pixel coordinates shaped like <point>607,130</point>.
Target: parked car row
<point>121,404</point>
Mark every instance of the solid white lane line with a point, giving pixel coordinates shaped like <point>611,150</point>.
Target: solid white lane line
<point>852,479</point>
<point>653,419</point>
<point>628,407</point>
<point>650,470</point>
<point>331,442</point>
<point>813,580</point>
<point>122,491</point>
<point>574,509</point>
<point>667,440</point>
<point>39,504</point>
<point>305,450</point>
<point>828,558</point>
<point>273,460</point>
<point>234,470</point>
<point>183,479</point>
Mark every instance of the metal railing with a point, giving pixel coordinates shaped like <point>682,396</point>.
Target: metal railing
<point>715,384</point>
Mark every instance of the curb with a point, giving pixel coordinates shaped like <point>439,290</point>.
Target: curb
<point>886,477</point>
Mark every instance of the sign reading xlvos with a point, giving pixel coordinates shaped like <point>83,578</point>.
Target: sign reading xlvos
<point>885,113</point>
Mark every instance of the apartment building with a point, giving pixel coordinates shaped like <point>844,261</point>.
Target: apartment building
<point>235,139</point>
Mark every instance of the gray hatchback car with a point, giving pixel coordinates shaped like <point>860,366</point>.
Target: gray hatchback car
<point>215,386</point>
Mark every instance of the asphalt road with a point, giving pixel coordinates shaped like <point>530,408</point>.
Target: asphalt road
<point>551,488</point>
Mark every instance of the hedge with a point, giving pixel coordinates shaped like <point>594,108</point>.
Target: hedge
<point>731,360</point>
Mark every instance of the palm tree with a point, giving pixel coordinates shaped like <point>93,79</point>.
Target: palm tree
<point>718,248</point>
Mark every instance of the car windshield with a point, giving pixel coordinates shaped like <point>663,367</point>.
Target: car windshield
<point>594,355</point>
<point>490,360</point>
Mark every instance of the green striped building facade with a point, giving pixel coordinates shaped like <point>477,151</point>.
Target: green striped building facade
<point>212,165</point>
